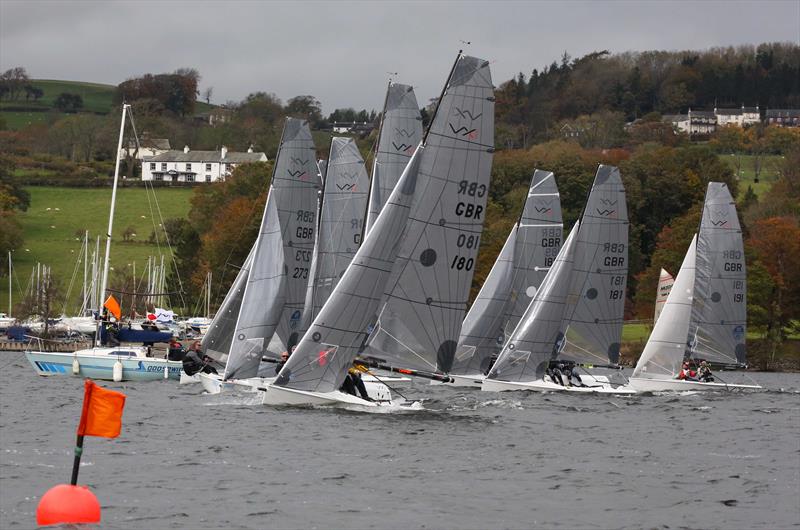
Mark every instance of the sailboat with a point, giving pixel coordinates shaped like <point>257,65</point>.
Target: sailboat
<point>577,314</point>
<point>529,250</point>
<point>263,299</point>
<point>665,283</point>
<point>399,135</point>
<point>6,320</point>
<point>417,245</point>
<point>122,363</point>
<point>704,317</point>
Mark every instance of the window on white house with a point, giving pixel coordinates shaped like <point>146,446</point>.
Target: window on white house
<point>152,166</point>
<point>163,166</point>
<point>208,167</point>
<point>228,168</point>
<point>189,178</point>
<point>159,177</point>
<point>188,167</point>
<point>208,178</point>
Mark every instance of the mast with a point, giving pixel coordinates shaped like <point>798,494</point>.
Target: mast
<point>9,283</point>
<point>104,283</point>
<point>85,266</point>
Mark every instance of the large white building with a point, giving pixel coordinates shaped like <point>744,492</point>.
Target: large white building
<point>739,117</point>
<point>196,166</point>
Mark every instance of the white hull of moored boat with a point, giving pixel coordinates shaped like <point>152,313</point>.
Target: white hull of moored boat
<point>647,384</point>
<point>98,363</point>
<point>496,385</point>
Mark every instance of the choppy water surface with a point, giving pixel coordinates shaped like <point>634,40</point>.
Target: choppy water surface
<point>470,460</point>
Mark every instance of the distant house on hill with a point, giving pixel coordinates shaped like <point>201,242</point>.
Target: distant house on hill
<point>196,166</point>
<point>215,116</point>
<point>362,128</point>
<point>783,117</point>
<point>147,147</point>
<point>695,122</point>
<point>740,117</point>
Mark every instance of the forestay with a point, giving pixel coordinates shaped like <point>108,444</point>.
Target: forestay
<point>426,298</point>
<point>529,251</point>
<point>296,184</point>
<point>400,133</point>
<point>217,340</point>
<point>341,221</point>
<point>262,299</point>
<point>338,332</point>
<point>719,314</point>
<point>663,353</point>
<point>538,337</point>
<point>597,293</point>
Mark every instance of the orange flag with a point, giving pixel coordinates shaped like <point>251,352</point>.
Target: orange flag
<point>102,411</point>
<point>113,306</point>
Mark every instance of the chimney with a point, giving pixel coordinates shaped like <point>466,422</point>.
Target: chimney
<point>185,148</point>
<point>250,149</point>
<point>223,152</point>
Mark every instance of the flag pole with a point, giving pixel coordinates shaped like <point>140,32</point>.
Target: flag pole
<point>76,464</point>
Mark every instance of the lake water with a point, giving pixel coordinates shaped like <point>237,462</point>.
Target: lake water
<point>471,459</point>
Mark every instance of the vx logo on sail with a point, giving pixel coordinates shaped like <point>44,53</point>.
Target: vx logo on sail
<point>606,213</point>
<point>463,131</point>
<point>346,186</point>
<point>302,175</point>
<point>467,114</point>
<point>608,202</point>
<point>402,132</point>
<point>298,161</point>
<point>403,147</point>
<point>543,209</point>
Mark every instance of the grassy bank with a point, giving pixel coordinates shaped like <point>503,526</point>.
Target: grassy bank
<point>747,171</point>
<point>56,217</point>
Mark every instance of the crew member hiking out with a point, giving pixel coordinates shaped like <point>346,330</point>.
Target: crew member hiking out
<point>196,361</point>
<point>353,382</point>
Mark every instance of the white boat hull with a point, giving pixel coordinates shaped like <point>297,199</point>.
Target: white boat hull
<point>282,396</point>
<point>647,384</point>
<point>101,365</point>
<point>468,380</point>
<point>496,385</point>
<point>214,384</point>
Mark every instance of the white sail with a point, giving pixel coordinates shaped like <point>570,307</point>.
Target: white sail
<point>665,282</point>
<point>296,183</point>
<point>719,314</point>
<point>338,332</point>
<point>597,294</point>
<point>538,337</point>
<point>426,298</point>
<point>341,221</point>
<point>663,354</point>
<point>529,251</point>
<point>217,340</point>
<point>399,135</point>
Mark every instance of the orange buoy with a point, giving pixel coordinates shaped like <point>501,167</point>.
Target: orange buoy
<point>68,504</point>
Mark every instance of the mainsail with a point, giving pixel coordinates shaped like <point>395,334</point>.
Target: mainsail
<point>597,294</point>
<point>719,314</point>
<point>340,225</point>
<point>529,251</point>
<point>217,339</point>
<point>338,332</point>
<point>400,133</point>
<point>296,183</point>
<point>664,351</point>
<point>426,298</point>
<point>538,337</point>
<point>665,283</point>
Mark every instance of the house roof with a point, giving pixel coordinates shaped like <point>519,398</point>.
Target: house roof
<point>702,114</point>
<point>231,157</point>
<point>155,143</point>
<point>750,110</point>
<point>728,112</point>
<point>674,118</point>
<point>783,113</point>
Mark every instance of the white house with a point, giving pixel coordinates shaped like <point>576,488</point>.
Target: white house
<point>147,147</point>
<point>196,166</point>
<point>694,122</point>
<point>739,117</point>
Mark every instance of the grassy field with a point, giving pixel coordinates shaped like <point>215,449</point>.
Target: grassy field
<point>769,172</point>
<point>97,98</point>
<point>56,215</point>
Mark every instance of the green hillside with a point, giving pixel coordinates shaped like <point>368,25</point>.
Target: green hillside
<point>56,214</point>
<point>97,98</point>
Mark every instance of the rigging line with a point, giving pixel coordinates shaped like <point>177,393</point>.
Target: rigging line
<point>171,253</point>
<point>72,282</point>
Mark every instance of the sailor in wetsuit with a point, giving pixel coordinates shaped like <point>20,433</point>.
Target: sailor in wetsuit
<point>196,361</point>
<point>353,382</point>
<point>554,371</point>
<point>284,358</point>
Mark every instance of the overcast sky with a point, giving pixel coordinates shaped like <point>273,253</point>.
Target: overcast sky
<point>341,52</point>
